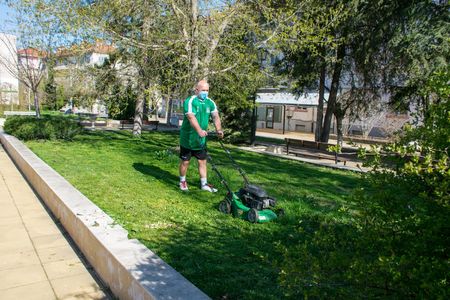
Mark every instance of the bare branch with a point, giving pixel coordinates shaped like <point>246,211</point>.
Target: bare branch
<point>224,70</point>
<point>215,40</point>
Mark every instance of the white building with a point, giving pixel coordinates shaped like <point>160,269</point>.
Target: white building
<point>31,59</point>
<point>9,83</point>
<point>82,55</point>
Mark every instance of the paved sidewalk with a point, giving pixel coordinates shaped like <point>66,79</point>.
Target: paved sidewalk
<point>36,259</point>
<point>277,151</point>
<point>350,165</point>
<point>278,134</point>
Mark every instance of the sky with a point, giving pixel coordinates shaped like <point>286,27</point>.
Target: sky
<point>5,14</point>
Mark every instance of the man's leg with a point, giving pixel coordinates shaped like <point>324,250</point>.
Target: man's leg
<point>184,164</point>
<point>202,170</point>
<point>185,157</point>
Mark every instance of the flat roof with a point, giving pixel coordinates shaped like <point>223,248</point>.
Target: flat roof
<point>283,98</point>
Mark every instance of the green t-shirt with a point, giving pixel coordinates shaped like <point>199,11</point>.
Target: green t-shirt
<point>202,109</point>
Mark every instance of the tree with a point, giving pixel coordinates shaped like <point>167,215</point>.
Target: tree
<point>28,68</point>
<point>376,48</point>
<point>60,96</point>
<point>116,91</point>
<point>50,88</point>
<point>170,44</point>
<point>37,33</point>
<point>312,37</point>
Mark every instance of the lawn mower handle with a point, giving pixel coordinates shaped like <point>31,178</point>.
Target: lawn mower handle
<point>233,162</point>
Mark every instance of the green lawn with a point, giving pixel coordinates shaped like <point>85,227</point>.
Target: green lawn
<point>135,181</point>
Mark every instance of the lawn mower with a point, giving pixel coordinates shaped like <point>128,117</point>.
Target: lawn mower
<point>251,202</point>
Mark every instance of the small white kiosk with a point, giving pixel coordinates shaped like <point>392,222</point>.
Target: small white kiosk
<point>283,111</point>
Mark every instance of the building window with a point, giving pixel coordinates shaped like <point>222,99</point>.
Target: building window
<point>277,115</point>
<point>261,113</point>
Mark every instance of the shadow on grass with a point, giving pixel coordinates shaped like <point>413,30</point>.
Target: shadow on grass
<point>158,173</point>
<point>290,261</point>
<point>222,261</point>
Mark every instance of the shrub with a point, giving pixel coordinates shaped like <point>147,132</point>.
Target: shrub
<point>395,244</point>
<point>46,127</point>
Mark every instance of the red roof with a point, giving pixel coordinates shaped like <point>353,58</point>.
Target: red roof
<point>31,53</point>
<point>99,47</point>
<point>103,48</point>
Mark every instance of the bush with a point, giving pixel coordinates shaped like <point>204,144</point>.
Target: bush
<point>46,127</point>
<point>395,244</point>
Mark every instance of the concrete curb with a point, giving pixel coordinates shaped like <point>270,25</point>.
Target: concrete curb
<point>129,269</point>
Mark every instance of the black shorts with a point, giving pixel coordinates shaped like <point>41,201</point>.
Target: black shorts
<point>186,154</point>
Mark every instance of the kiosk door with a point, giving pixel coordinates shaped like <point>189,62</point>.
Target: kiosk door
<point>269,117</point>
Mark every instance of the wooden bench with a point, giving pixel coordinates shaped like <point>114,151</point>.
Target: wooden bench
<point>152,122</point>
<point>312,149</point>
<point>124,122</point>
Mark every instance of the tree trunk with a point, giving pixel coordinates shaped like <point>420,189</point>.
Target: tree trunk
<point>169,109</point>
<point>157,97</point>
<point>340,135</point>
<point>139,113</point>
<point>253,126</point>
<point>36,104</point>
<point>139,108</point>
<point>194,49</point>
<point>142,84</point>
<point>319,116</point>
<point>333,94</point>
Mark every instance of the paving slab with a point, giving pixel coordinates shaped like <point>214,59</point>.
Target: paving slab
<point>64,268</point>
<point>37,261</point>
<point>18,258</point>
<point>21,276</point>
<point>49,241</point>
<point>36,291</point>
<point>76,286</point>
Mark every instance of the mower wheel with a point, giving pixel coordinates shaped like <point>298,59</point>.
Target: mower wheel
<point>253,215</point>
<point>280,212</point>
<point>225,207</point>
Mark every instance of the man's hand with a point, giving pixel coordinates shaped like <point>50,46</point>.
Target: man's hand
<point>202,133</point>
<point>220,134</point>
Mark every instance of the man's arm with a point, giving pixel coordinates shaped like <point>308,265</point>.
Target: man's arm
<point>194,123</point>
<point>217,123</point>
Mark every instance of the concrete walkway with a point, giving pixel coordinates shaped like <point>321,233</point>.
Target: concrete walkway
<point>278,134</point>
<point>37,261</point>
<point>277,151</point>
<point>350,165</point>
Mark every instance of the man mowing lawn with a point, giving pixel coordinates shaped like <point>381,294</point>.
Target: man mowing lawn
<point>197,110</point>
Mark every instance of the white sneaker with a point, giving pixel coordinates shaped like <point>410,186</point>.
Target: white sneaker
<point>209,188</point>
<point>183,186</point>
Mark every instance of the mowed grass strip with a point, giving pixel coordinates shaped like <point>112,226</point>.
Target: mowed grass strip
<point>135,181</point>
